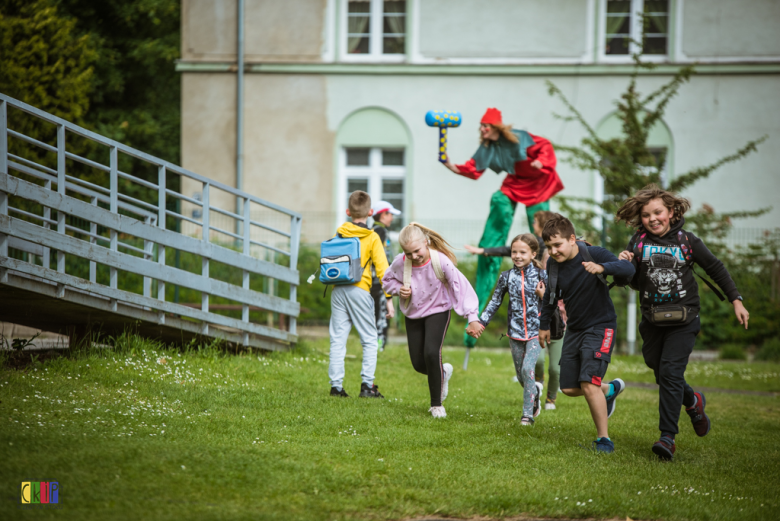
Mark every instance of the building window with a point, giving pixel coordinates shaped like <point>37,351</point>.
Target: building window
<point>633,26</point>
<point>378,171</point>
<point>376,28</point>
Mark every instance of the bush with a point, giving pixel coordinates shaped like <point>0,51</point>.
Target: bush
<point>770,351</point>
<point>732,352</point>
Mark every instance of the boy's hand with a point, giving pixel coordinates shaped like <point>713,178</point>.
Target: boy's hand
<point>475,329</point>
<point>544,337</point>
<point>741,312</point>
<point>540,289</point>
<point>626,255</point>
<point>473,249</point>
<point>592,267</point>
<point>405,292</point>
<point>390,308</point>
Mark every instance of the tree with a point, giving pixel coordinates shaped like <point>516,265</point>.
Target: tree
<point>46,63</point>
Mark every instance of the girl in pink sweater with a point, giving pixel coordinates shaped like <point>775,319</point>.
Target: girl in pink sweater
<point>433,287</point>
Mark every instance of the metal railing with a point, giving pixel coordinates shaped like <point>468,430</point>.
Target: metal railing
<point>129,234</point>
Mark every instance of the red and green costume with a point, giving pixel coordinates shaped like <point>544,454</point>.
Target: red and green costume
<point>524,184</point>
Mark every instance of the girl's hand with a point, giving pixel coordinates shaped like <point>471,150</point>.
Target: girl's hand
<point>592,267</point>
<point>536,164</point>
<point>741,312</point>
<point>626,255</point>
<point>405,292</point>
<point>540,289</point>
<point>475,329</point>
<point>390,308</point>
<point>473,249</point>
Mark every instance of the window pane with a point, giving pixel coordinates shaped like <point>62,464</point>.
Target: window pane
<point>357,184</point>
<point>393,193</point>
<point>619,6</point>
<point>395,6</point>
<point>656,6</point>
<point>359,6</point>
<point>392,157</point>
<point>618,27</point>
<point>393,45</point>
<point>357,156</point>
<point>358,26</point>
<point>394,27</point>
<point>357,45</point>
<point>617,45</point>
<point>654,45</point>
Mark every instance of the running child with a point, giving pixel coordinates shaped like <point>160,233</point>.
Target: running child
<point>525,284</point>
<point>554,350</point>
<point>352,305</point>
<point>429,284</point>
<point>663,254</point>
<point>576,274</point>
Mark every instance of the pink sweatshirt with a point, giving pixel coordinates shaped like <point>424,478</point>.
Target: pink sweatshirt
<point>429,295</point>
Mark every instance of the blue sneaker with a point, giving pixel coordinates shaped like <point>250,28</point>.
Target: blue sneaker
<point>619,386</point>
<point>604,445</point>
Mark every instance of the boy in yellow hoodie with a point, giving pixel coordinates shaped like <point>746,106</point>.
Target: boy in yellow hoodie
<point>353,305</point>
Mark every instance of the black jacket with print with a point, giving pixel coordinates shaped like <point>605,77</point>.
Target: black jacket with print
<point>664,272</point>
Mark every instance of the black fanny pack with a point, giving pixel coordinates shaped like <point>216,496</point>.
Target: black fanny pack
<point>557,327</point>
<point>671,315</point>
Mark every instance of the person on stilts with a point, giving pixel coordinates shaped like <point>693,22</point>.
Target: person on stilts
<point>531,180</point>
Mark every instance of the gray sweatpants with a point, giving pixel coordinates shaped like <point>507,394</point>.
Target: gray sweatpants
<point>351,306</point>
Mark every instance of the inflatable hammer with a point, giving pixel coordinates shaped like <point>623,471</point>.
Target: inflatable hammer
<point>443,119</point>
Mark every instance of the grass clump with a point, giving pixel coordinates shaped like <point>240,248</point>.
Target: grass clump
<point>770,351</point>
<point>732,352</point>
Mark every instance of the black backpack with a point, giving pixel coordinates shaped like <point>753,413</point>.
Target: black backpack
<point>635,247</point>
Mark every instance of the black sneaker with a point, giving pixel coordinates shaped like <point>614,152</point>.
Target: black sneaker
<point>341,394</point>
<point>369,392</point>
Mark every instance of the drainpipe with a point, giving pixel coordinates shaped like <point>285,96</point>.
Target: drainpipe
<point>240,110</point>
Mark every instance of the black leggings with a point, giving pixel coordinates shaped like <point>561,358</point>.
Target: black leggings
<point>426,338</point>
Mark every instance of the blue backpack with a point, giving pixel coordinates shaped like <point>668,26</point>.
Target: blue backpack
<point>340,261</point>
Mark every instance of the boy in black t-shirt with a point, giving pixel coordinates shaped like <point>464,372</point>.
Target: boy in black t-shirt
<point>590,330</point>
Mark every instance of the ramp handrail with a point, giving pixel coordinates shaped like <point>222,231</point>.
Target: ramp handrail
<point>128,215</point>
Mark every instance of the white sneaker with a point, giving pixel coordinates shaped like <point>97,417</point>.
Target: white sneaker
<point>549,406</point>
<point>445,386</point>
<point>438,412</point>
<point>538,399</point>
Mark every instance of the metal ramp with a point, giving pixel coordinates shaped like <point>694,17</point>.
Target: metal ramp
<point>82,256</point>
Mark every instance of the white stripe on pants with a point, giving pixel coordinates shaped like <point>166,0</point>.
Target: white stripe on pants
<point>351,306</point>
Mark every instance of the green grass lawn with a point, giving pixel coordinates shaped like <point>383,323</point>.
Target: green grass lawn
<point>142,433</point>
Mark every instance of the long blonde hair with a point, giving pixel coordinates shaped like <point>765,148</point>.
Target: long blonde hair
<point>532,242</point>
<point>504,130</point>
<point>416,231</point>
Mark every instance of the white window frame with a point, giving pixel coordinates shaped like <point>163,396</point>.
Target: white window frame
<point>637,6</point>
<point>375,39</point>
<point>375,172</point>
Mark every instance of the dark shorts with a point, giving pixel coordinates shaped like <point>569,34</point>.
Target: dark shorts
<point>585,356</point>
